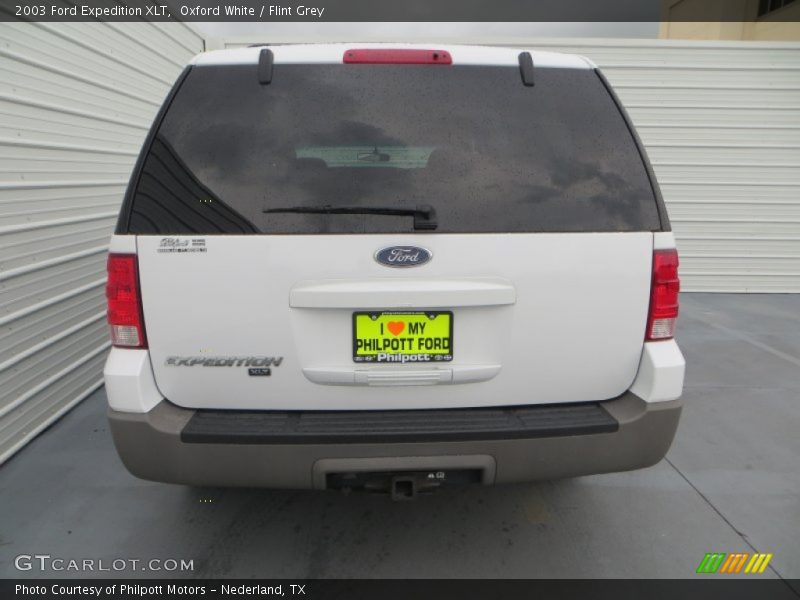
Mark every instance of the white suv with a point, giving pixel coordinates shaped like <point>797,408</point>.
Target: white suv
<point>391,268</point>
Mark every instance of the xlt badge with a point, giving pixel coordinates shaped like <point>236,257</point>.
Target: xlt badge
<point>181,245</point>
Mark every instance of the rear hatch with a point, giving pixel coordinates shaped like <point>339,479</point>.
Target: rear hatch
<point>271,219</point>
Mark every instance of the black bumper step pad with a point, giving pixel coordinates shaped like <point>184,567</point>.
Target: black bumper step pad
<point>396,426</point>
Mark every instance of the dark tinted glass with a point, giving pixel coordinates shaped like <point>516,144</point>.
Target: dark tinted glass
<point>486,152</point>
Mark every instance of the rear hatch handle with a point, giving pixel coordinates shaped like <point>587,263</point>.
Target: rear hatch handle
<point>393,293</point>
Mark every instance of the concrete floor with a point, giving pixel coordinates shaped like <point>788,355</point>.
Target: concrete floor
<point>730,483</point>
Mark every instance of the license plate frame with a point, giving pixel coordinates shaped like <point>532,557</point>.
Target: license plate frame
<point>412,352</point>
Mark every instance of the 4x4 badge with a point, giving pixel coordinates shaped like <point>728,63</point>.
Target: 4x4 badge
<point>403,256</point>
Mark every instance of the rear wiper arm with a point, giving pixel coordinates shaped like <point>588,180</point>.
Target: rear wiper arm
<point>424,214</point>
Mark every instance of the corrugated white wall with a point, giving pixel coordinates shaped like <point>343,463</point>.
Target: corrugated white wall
<point>721,123</point>
<point>76,101</point>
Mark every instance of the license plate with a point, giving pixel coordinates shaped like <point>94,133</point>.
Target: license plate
<point>402,337</point>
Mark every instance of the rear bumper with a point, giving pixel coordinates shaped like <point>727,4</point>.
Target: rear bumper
<point>295,451</point>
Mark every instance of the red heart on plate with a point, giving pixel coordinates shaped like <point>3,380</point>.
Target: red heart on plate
<point>395,327</point>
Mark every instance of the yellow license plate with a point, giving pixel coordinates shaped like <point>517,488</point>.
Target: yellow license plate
<point>402,337</point>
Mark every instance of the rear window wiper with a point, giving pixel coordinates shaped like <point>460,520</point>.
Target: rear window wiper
<point>424,214</point>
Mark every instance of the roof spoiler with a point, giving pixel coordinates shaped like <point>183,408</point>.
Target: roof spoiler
<point>265,62</point>
<point>526,68</point>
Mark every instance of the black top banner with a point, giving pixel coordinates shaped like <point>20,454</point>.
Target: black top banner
<point>384,10</point>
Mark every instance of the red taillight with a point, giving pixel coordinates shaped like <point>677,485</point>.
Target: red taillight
<point>663,295</point>
<point>124,302</point>
<point>379,56</point>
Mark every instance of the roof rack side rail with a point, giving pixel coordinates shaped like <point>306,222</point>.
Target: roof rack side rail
<point>526,68</point>
<point>265,61</point>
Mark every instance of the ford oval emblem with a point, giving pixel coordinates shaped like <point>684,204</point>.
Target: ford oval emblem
<point>403,256</point>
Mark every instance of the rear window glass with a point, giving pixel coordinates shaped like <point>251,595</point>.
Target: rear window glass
<point>487,153</point>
